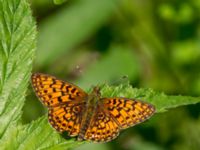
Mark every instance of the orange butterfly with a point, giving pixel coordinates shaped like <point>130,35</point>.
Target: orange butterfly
<point>87,116</point>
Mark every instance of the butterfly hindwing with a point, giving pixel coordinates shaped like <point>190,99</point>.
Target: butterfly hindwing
<point>128,112</point>
<point>66,118</point>
<point>53,92</point>
<point>102,127</point>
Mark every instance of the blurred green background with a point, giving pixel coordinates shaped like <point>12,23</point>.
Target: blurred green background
<point>155,43</point>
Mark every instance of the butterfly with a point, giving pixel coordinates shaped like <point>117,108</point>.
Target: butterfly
<point>87,116</point>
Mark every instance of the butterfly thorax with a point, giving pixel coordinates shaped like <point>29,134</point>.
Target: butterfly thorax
<point>91,107</point>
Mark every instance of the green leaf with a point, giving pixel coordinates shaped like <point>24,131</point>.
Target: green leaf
<point>161,101</point>
<point>61,32</point>
<point>138,144</point>
<point>37,135</point>
<point>17,36</point>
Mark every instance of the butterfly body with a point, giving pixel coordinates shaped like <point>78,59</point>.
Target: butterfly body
<point>92,103</point>
<point>87,116</point>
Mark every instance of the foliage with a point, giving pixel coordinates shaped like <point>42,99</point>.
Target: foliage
<point>17,47</point>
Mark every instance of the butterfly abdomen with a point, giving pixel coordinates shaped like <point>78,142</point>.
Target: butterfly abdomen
<point>91,106</point>
<point>84,127</point>
<point>86,119</point>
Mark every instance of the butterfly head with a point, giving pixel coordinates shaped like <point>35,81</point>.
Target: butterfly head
<point>94,96</point>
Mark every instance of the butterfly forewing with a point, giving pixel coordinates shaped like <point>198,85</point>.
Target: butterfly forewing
<point>127,112</point>
<point>54,92</point>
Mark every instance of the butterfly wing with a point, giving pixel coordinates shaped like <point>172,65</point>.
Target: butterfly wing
<point>102,128</point>
<point>53,92</point>
<point>65,102</point>
<point>66,118</point>
<point>127,112</point>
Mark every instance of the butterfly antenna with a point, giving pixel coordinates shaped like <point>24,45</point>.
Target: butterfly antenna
<point>122,80</point>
